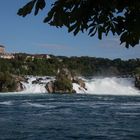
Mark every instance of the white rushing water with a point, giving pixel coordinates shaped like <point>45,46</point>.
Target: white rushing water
<point>109,86</point>
<point>36,87</point>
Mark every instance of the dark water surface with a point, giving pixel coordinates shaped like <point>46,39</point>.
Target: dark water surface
<point>69,117</point>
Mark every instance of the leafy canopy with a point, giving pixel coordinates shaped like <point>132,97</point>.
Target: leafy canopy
<point>121,17</point>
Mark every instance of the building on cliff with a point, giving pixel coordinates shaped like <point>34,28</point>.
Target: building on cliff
<point>38,56</point>
<point>2,49</point>
<point>7,56</point>
<point>4,54</point>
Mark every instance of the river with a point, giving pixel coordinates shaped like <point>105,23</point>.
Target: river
<point>69,117</point>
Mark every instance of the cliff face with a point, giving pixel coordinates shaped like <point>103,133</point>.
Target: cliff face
<point>64,82</point>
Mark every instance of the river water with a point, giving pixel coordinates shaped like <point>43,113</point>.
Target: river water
<point>69,117</point>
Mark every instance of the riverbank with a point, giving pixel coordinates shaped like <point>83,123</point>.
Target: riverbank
<point>66,71</point>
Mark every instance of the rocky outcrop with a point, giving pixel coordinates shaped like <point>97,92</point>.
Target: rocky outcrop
<point>36,81</point>
<point>18,82</point>
<point>137,82</point>
<point>10,83</point>
<point>80,82</point>
<point>50,87</point>
<point>63,82</point>
<point>19,87</point>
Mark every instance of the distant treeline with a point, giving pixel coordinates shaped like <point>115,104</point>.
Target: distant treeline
<point>82,66</point>
<point>91,66</point>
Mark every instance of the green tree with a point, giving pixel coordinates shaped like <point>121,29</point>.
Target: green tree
<point>137,71</point>
<point>7,82</point>
<point>121,17</point>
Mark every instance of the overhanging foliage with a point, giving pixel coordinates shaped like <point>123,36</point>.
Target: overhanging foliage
<point>121,17</point>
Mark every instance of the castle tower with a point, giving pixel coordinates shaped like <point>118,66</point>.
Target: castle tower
<point>2,49</point>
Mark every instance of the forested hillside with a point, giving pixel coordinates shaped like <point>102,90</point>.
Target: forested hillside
<point>82,66</point>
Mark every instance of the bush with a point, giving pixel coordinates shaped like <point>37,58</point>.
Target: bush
<point>63,84</point>
<point>7,82</point>
<point>137,71</point>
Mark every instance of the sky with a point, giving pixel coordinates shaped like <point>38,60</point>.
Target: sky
<point>31,35</point>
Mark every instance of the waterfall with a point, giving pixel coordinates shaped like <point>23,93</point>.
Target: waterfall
<point>36,84</point>
<point>108,85</point>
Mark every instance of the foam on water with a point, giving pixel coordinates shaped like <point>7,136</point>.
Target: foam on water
<point>98,86</point>
<point>38,105</point>
<point>35,88</point>
<point>109,86</point>
<point>78,89</point>
<point>6,103</point>
<point>35,105</point>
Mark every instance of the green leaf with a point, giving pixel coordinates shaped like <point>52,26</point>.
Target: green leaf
<point>123,37</point>
<point>76,30</point>
<point>39,5</point>
<point>49,16</point>
<point>91,30</point>
<point>71,28</point>
<point>94,32</point>
<point>100,31</point>
<point>27,9</point>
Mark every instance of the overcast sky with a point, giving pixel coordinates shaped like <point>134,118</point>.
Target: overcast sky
<point>31,35</point>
